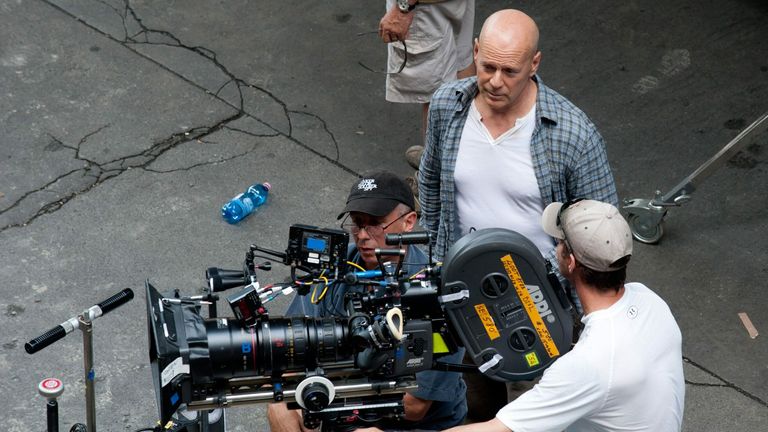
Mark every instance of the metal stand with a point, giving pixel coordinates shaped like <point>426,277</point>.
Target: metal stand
<point>646,216</point>
<point>84,322</point>
<point>90,395</point>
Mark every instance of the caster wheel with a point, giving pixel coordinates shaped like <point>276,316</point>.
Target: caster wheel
<point>645,230</point>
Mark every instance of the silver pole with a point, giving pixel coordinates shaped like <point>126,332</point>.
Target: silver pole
<point>646,216</point>
<point>681,193</point>
<point>90,396</point>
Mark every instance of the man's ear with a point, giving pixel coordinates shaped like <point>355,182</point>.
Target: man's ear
<point>410,221</point>
<point>570,262</point>
<point>567,259</point>
<point>535,62</point>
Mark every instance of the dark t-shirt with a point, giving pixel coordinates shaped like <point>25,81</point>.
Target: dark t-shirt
<point>446,389</point>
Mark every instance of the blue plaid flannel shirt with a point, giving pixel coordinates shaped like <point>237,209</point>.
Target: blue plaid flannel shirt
<point>568,153</point>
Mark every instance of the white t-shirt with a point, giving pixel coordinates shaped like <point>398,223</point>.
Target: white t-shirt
<point>496,186</point>
<point>624,374</point>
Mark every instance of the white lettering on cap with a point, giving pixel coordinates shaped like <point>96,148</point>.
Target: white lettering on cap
<point>367,184</point>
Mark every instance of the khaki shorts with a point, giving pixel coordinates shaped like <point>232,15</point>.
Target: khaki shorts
<point>439,44</point>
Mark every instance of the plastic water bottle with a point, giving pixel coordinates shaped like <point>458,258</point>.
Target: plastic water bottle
<point>244,204</point>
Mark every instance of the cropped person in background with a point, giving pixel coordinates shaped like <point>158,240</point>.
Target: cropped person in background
<point>437,35</point>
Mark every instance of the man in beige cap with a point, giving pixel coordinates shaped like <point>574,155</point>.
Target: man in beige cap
<point>626,370</point>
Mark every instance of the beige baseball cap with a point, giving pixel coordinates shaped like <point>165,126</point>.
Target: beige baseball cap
<point>595,231</point>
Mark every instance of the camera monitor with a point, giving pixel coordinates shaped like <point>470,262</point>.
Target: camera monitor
<point>317,249</point>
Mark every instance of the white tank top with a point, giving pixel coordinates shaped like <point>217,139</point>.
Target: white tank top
<point>495,182</point>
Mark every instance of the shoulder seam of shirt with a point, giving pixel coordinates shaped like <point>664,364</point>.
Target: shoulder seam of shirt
<point>557,108</point>
<point>455,93</point>
<point>546,100</point>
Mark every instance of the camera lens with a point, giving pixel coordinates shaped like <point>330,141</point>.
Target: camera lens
<point>270,347</point>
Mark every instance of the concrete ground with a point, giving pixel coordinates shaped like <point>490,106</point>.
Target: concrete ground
<point>126,125</point>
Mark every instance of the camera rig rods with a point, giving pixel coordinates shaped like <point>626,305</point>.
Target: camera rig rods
<point>343,390</point>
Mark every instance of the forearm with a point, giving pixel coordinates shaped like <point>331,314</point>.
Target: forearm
<point>494,425</point>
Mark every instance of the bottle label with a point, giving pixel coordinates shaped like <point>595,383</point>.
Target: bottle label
<point>237,197</point>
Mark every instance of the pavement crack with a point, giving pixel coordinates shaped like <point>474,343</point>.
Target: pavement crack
<point>211,56</point>
<point>725,382</point>
<point>147,156</point>
<point>57,144</point>
<point>83,140</point>
<point>216,162</point>
<point>253,134</point>
<point>98,173</point>
<point>170,40</point>
<point>325,128</point>
<point>34,191</point>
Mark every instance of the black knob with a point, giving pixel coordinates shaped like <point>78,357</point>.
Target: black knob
<point>316,397</point>
<point>522,339</point>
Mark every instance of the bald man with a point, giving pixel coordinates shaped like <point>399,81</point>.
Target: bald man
<point>501,146</point>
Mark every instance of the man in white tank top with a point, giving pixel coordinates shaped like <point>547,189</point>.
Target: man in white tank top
<point>500,147</point>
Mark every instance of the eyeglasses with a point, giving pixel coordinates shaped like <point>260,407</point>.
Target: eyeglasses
<point>402,65</point>
<point>559,224</point>
<point>351,227</point>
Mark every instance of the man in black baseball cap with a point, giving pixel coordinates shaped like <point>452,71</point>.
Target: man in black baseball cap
<point>378,204</point>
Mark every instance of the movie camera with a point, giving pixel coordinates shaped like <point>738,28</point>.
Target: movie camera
<point>494,295</point>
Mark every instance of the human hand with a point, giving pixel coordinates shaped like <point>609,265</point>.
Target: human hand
<point>394,25</point>
<point>373,429</point>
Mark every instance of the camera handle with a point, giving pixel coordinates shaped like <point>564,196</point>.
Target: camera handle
<point>84,322</point>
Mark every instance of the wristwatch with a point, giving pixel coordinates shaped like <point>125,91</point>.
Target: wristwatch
<point>406,7</point>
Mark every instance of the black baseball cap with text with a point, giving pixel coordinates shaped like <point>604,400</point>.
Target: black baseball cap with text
<point>377,193</point>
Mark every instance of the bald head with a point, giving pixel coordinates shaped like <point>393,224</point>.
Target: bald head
<point>510,28</point>
<point>507,58</point>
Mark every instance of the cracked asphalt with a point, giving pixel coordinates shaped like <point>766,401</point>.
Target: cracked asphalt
<point>124,126</point>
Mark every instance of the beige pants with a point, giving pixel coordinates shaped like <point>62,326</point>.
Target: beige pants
<point>439,44</point>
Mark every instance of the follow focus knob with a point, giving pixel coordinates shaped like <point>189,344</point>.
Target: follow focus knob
<point>316,397</point>
<point>315,393</point>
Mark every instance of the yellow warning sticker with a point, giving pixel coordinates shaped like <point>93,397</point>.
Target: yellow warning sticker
<point>532,359</point>
<point>487,319</point>
<point>438,344</point>
<point>530,306</point>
